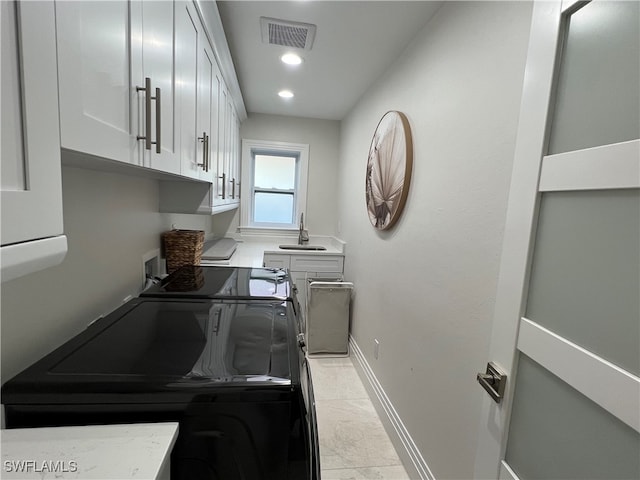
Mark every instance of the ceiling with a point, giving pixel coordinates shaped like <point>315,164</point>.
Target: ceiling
<point>355,42</point>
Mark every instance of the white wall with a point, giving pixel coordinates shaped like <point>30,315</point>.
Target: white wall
<point>323,137</point>
<point>426,289</point>
<point>110,221</point>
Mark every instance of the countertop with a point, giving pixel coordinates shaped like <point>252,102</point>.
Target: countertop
<point>251,249</point>
<point>137,451</point>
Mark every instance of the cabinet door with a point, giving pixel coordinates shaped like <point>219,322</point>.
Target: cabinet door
<point>221,196</point>
<point>31,195</point>
<point>97,97</point>
<point>158,64</point>
<point>197,91</point>
<point>275,260</point>
<point>234,156</point>
<point>215,139</point>
<point>205,124</point>
<point>187,70</point>
<point>317,263</point>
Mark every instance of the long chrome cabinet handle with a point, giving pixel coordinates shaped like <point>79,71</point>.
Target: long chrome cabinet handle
<point>233,187</point>
<point>205,151</point>
<point>224,183</point>
<point>158,121</point>
<point>147,116</point>
<point>206,146</point>
<point>147,113</point>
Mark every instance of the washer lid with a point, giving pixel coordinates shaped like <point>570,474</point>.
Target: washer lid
<point>209,340</point>
<point>220,282</point>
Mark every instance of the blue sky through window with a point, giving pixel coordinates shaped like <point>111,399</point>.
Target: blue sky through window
<point>274,186</point>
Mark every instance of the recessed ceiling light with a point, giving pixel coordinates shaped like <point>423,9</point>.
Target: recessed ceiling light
<point>286,93</point>
<point>291,59</point>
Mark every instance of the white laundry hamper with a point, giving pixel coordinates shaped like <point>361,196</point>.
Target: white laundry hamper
<point>327,321</point>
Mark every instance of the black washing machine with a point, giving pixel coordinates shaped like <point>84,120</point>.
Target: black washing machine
<point>231,370</point>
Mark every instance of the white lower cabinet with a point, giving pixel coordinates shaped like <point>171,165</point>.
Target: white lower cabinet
<point>32,228</point>
<point>317,263</point>
<point>275,260</point>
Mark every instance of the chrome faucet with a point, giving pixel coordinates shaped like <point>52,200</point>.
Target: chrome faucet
<point>303,235</point>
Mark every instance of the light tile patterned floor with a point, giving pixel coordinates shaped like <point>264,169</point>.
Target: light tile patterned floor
<point>353,442</point>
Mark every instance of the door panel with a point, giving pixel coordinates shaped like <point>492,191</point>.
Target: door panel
<point>206,60</point>
<point>566,324</point>
<point>12,143</point>
<point>95,62</point>
<point>584,279</point>
<point>187,65</point>
<point>588,443</point>
<point>597,96</point>
<point>158,59</point>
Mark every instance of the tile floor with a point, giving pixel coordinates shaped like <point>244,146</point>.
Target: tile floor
<point>353,443</point>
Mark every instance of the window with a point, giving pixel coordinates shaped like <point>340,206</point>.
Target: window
<point>276,174</point>
<point>274,188</point>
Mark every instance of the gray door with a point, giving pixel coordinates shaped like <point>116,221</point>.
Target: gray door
<point>567,328</point>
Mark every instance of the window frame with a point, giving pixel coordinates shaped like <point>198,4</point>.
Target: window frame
<point>250,148</point>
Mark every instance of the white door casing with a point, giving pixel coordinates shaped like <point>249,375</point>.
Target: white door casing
<point>606,167</point>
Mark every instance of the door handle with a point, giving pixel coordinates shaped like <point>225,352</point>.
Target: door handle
<point>206,146</point>
<point>224,182</point>
<point>147,113</point>
<point>147,116</point>
<point>493,381</point>
<point>158,143</point>
<point>205,151</point>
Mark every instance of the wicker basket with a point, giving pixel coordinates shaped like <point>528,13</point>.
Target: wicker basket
<point>182,247</point>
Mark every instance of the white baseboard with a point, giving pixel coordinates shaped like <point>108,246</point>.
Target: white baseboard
<point>411,457</point>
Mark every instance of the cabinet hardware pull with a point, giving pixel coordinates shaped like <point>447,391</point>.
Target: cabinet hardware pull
<point>147,116</point>
<point>205,151</point>
<point>147,113</point>
<point>158,121</point>
<point>224,183</point>
<point>206,141</point>
<point>233,187</point>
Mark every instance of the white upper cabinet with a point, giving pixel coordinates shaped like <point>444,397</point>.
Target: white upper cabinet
<point>196,67</point>
<point>157,107</point>
<point>32,227</point>
<point>207,121</point>
<point>140,84</point>
<point>227,179</point>
<point>210,126</point>
<point>235,158</point>
<point>106,53</point>
<point>98,101</point>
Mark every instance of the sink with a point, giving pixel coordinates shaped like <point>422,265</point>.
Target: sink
<point>302,247</point>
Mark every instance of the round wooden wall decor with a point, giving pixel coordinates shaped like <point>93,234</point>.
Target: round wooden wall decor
<point>389,170</point>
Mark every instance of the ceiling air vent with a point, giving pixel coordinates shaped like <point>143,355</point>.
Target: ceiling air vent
<point>287,33</point>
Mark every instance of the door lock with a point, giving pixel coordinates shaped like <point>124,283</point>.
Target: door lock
<point>493,381</point>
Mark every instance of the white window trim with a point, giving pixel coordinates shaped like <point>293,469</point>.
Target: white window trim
<point>302,151</point>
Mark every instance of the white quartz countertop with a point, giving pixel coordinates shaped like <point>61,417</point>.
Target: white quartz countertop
<point>137,451</point>
<point>250,250</point>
